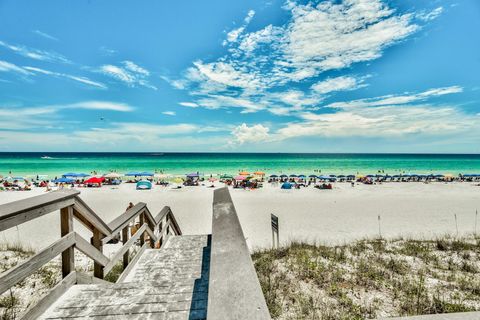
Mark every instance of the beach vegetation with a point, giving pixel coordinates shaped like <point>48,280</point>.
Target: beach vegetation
<point>371,278</point>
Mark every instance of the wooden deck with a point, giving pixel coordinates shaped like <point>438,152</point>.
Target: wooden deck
<point>169,283</point>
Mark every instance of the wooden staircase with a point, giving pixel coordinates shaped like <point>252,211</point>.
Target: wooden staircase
<point>169,283</point>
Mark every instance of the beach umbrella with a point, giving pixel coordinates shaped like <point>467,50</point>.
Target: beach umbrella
<point>283,176</point>
<point>301,176</point>
<point>18,178</point>
<point>259,173</point>
<point>146,174</point>
<point>132,174</point>
<point>341,176</point>
<point>226,177</point>
<point>240,178</point>
<point>273,176</point>
<point>161,175</point>
<point>177,180</point>
<point>63,180</point>
<point>212,179</point>
<point>112,175</point>
<point>332,175</point>
<point>95,180</point>
<point>244,173</point>
<point>293,176</point>
<point>192,175</point>
<point>312,176</point>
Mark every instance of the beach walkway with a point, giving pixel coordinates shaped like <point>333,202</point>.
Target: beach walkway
<point>168,283</point>
<point>170,276</point>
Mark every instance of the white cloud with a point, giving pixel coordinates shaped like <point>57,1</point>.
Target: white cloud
<point>337,84</point>
<point>45,35</point>
<point>101,105</point>
<point>428,16</point>
<point>169,113</point>
<point>189,104</point>
<point>233,35</point>
<point>253,134</point>
<point>323,36</point>
<point>10,67</point>
<point>221,101</point>
<point>35,53</point>
<point>397,99</point>
<point>130,73</point>
<point>83,80</point>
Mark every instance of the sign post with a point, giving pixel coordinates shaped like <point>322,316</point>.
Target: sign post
<point>275,230</point>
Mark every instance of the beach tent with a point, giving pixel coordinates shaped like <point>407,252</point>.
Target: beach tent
<point>144,185</point>
<point>63,180</point>
<point>95,180</point>
<point>286,185</point>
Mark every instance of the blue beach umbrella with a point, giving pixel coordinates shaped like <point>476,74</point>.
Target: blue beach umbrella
<point>312,176</point>
<point>146,174</point>
<point>301,176</point>
<point>133,174</point>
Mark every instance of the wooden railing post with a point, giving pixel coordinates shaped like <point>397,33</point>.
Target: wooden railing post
<point>124,240</point>
<point>142,221</point>
<point>66,226</point>
<point>97,243</point>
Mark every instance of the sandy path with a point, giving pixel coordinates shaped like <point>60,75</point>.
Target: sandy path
<point>339,215</point>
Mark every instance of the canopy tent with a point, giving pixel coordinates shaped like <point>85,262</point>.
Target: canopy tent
<point>95,180</point>
<point>286,185</point>
<point>63,180</point>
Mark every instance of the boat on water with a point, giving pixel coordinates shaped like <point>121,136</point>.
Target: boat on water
<point>46,158</point>
<point>144,185</point>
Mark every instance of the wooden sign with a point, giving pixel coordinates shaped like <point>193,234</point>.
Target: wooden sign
<point>274,219</point>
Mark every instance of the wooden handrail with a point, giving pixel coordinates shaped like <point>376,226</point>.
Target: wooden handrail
<point>234,291</point>
<point>17,212</point>
<point>72,206</point>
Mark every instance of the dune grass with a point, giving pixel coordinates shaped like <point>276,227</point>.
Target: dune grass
<point>371,278</point>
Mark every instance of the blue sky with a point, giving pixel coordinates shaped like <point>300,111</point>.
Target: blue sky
<point>272,76</point>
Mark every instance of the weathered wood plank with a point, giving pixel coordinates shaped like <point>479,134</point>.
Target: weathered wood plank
<point>66,226</point>
<point>234,289</point>
<point>162,214</point>
<point>126,255</point>
<point>132,263</point>
<point>11,277</point>
<point>61,287</point>
<point>83,278</point>
<point>11,217</point>
<point>83,209</point>
<point>140,232</point>
<point>98,270</point>
<point>90,251</point>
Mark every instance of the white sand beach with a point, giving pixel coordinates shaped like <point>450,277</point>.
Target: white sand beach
<point>343,214</point>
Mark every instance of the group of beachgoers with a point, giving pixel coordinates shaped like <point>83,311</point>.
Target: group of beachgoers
<point>243,180</point>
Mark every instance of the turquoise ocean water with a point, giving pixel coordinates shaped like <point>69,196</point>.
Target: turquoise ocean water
<point>219,163</point>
